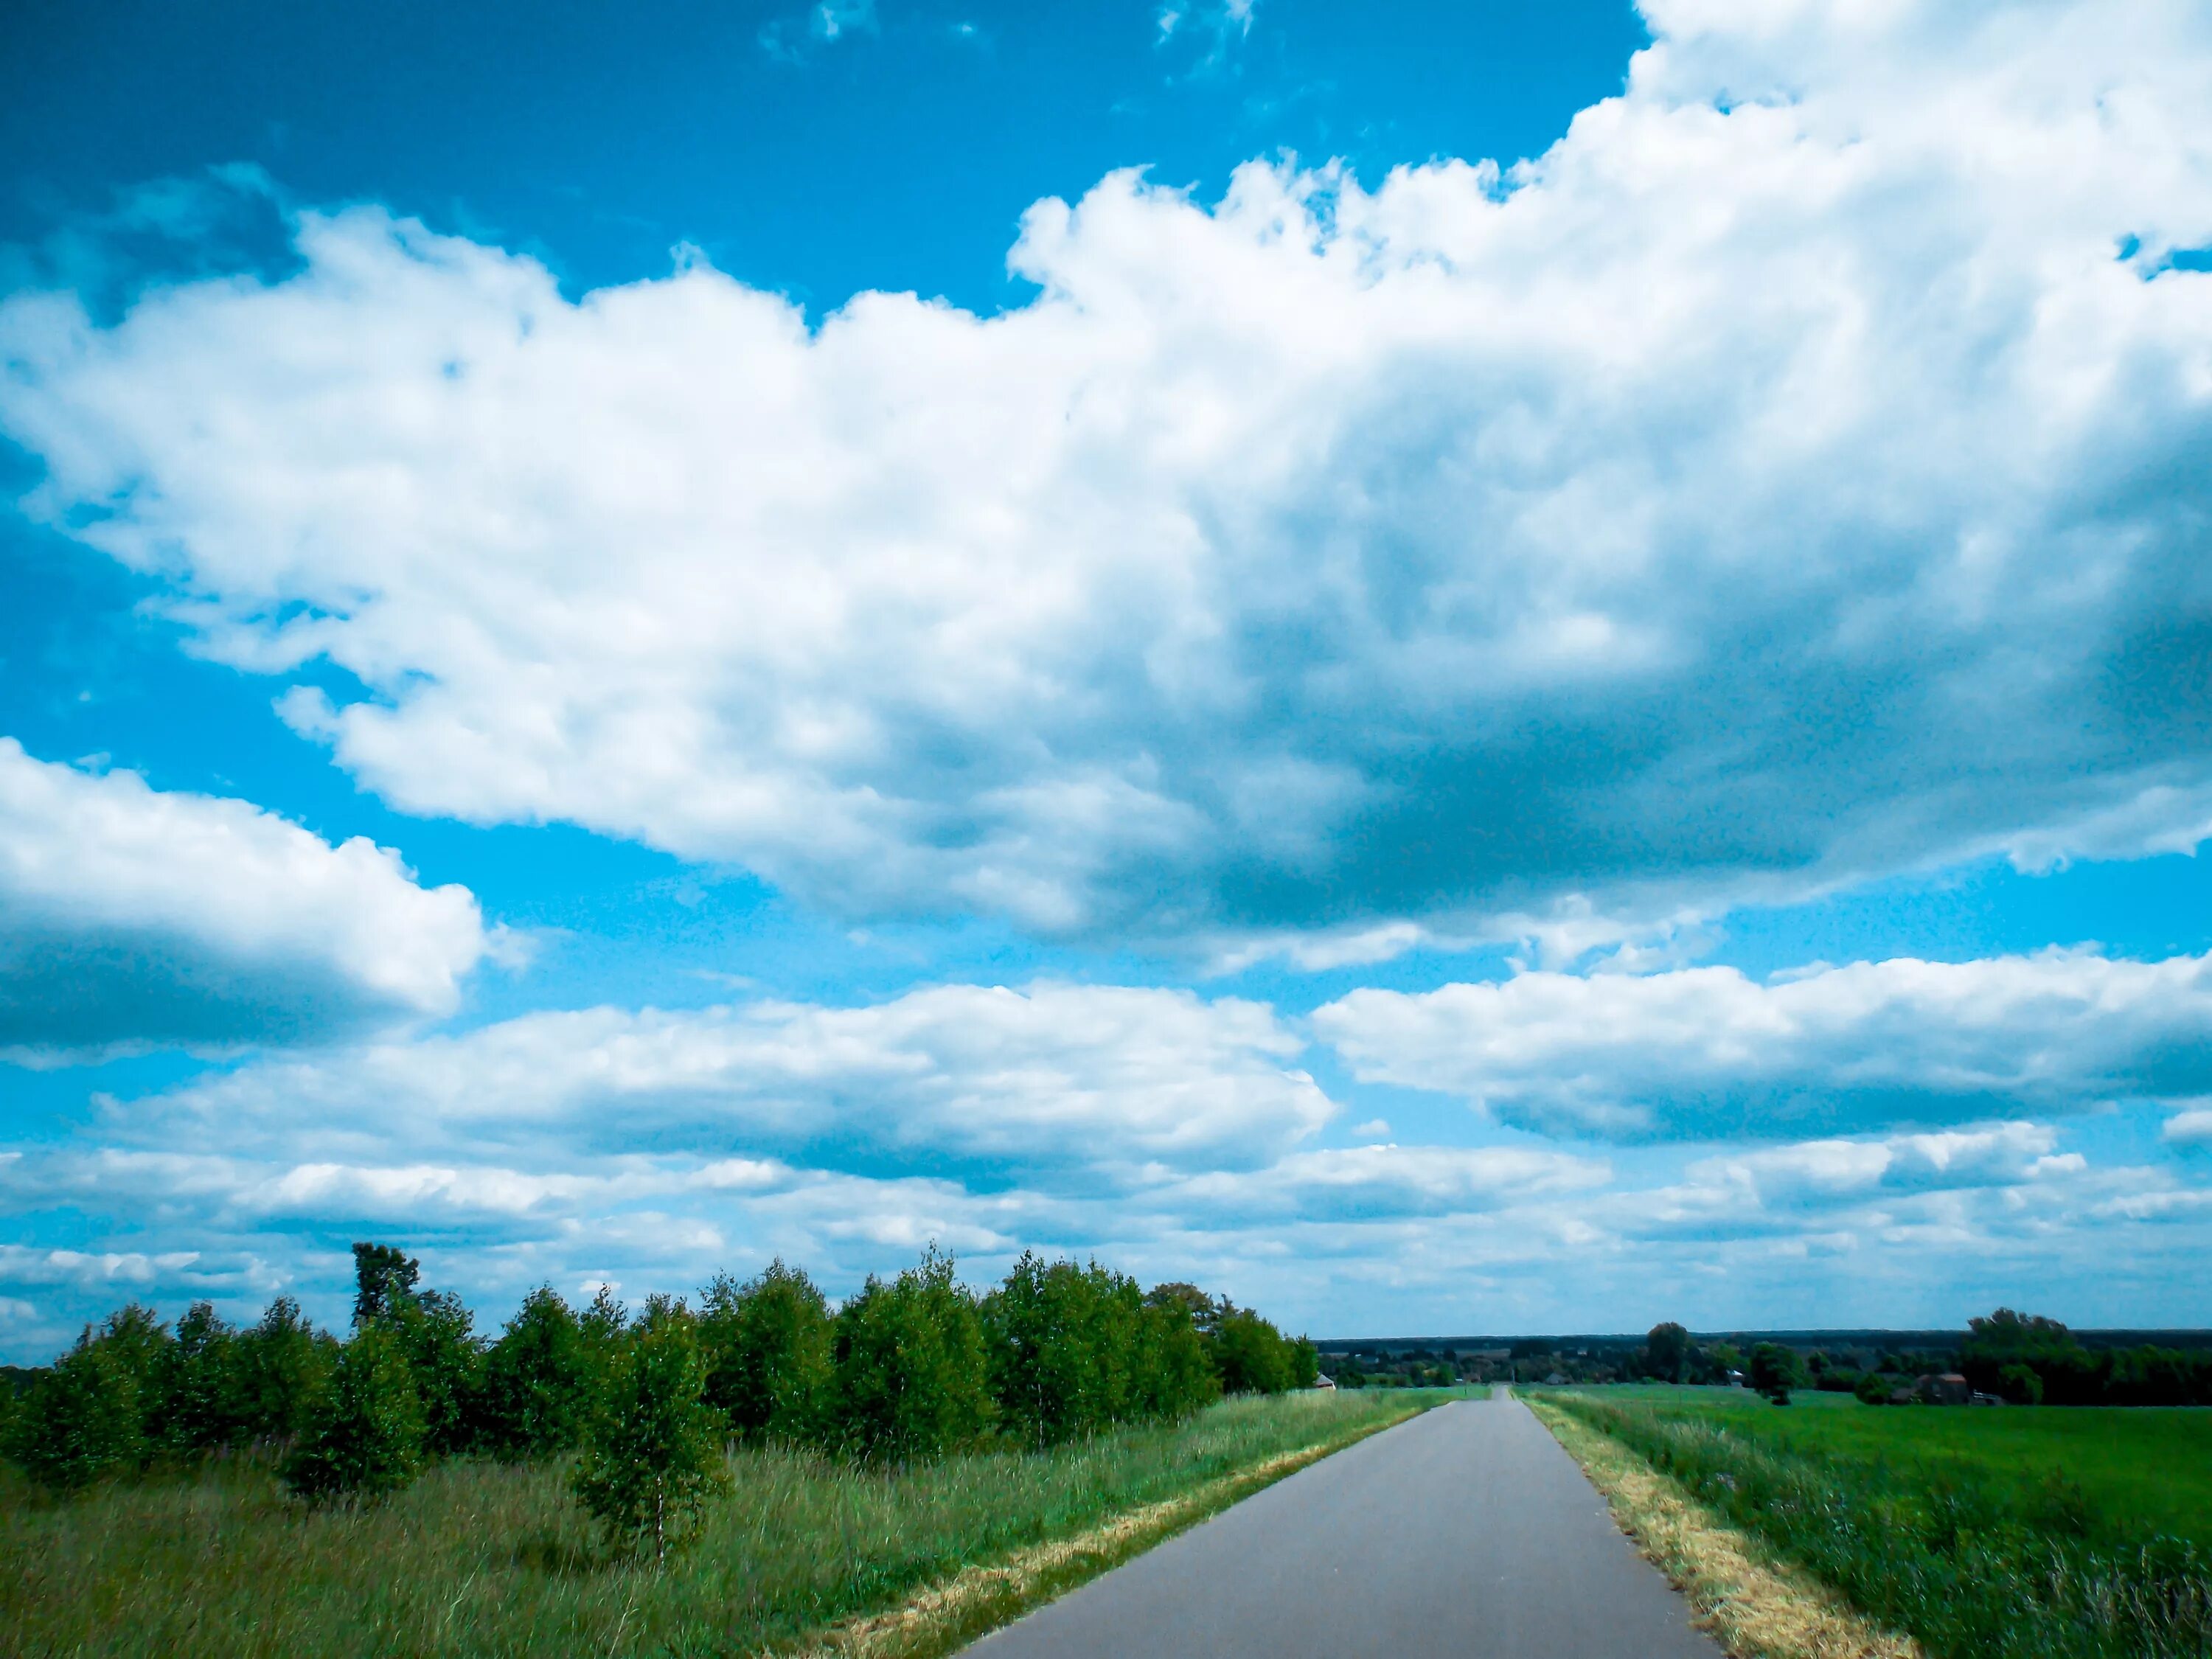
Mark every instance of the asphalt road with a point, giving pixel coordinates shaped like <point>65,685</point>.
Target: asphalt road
<point>1466,1532</point>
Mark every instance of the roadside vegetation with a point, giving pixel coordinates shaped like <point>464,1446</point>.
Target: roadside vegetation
<point>1981,1534</point>
<point>738,1475</point>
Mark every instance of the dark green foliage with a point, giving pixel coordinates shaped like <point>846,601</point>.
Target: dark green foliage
<point>1250,1353</point>
<point>81,1421</point>
<point>384,1279</point>
<point>1065,1345</point>
<point>911,1378</point>
<point>196,1391</point>
<point>1666,1352</point>
<point>1175,1374</point>
<point>653,1452</point>
<point>2019,1385</point>
<point>1973,1570</point>
<point>1874,1389</point>
<point>1774,1371</point>
<point>766,1345</point>
<point>444,1357</point>
<point>2068,1374</point>
<point>1305,1365</point>
<point>364,1433</point>
<point>278,1367</point>
<point>537,1380</point>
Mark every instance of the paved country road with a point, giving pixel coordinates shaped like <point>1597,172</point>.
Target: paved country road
<point>1466,1532</point>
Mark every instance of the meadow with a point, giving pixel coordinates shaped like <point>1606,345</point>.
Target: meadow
<point>2049,1533</point>
<point>479,1557</point>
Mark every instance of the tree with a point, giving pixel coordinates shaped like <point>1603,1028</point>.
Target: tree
<point>1064,1343</point>
<point>653,1452</point>
<point>1175,1374</point>
<point>277,1368</point>
<point>444,1359</point>
<point>384,1279</point>
<point>198,1384</point>
<point>2019,1385</point>
<point>363,1437</point>
<point>1666,1352</point>
<point>537,1380</point>
<point>1773,1371</point>
<point>1251,1354</point>
<point>81,1421</point>
<point>912,1379</point>
<point>767,1345</point>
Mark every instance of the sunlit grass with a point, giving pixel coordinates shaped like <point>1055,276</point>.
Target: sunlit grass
<point>1975,1537</point>
<point>479,1558</point>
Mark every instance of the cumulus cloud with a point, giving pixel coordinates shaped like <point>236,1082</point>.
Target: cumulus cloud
<point>1795,473</point>
<point>1709,1052</point>
<point>131,915</point>
<point>1055,1077</point>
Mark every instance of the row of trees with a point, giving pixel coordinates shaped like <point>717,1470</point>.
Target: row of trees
<point>908,1367</point>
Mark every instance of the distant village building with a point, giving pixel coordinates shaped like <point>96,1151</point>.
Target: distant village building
<point>1324,1381</point>
<point>1947,1389</point>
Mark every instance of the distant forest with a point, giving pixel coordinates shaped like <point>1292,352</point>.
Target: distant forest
<point>2024,1360</point>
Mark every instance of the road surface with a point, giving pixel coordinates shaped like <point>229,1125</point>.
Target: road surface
<point>1466,1532</point>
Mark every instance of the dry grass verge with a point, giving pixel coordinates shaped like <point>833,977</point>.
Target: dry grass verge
<point>1757,1606</point>
<point>956,1610</point>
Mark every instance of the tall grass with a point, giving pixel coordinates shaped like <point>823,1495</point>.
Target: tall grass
<point>1973,1568</point>
<point>479,1558</point>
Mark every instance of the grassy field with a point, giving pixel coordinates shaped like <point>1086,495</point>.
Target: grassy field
<point>478,1559</point>
<point>2015,1532</point>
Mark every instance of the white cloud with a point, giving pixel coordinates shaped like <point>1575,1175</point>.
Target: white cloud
<point>1707,1052</point>
<point>1056,1076</point>
<point>132,915</point>
<point>1779,481</point>
<point>2190,1128</point>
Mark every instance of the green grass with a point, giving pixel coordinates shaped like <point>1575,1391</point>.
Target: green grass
<point>2015,1532</point>
<point>481,1560</point>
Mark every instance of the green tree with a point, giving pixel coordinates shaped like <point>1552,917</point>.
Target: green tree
<point>1666,1352</point>
<point>363,1437</point>
<point>767,1345</point>
<point>2019,1384</point>
<point>1251,1354</point>
<point>1774,1371</point>
<point>912,1378</point>
<point>653,1452</point>
<point>81,1421</point>
<point>444,1357</point>
<point>1065,1346</point>
<point>537,1380</point>
<point>1305,1366</point>
<point>1175,1373</point>
<point>384,1279</point>
<point>276,1368</point>
<point>198,1384</point>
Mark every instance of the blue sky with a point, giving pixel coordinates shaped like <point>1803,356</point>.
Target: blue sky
<point>1454,669</point>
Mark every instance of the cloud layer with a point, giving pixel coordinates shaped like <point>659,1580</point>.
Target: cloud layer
<point>1797,472</point>
<point>130,915</point>
<point>1709,1053</point>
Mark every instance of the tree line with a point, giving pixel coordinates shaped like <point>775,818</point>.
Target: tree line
<point>907,1368</point>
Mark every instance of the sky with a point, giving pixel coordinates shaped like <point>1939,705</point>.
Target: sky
<point>1451,669</point>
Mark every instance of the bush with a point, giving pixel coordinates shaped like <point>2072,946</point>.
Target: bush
<point>911,1378</point>
<point>363,1437</point>
<point>653,1452</point>
<point>1064,1344</point>
<point>537,1380</point>
<point>197,1392</point>
<point>767,1349</point>
<point>2019,1384</point>
<point>278,1368</point>
<point>1251,1354</point>
<point>81,1422</point>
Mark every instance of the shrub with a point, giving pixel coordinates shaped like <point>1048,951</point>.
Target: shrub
<point>766,1349</point>
<point>911,1376</point>
<point>278,1368</point>
<point>1064,1343</point>
<point>2019,1383</point>
<point>1774,1371</point>
<point>363,1437</point>
<point>81,1422</point>
<point>445,1359</point>
<point>1251,1354</point>
<point>197,1384</point>
<point>537,1380</point>
<point>653,1452</point>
